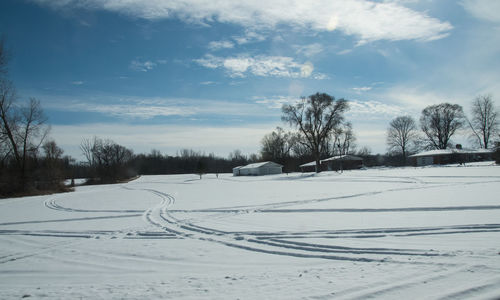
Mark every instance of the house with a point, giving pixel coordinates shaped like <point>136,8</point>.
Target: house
<point>335,163</point>
<point>450,156</point>
<point>256,169</point>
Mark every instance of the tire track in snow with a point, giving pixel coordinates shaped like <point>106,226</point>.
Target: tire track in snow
<point>408,286</point>
<point>161,217</point>
<point>52,204</point>
<point>23,255</point>
<point>70,219</point>
<point>348,210</point>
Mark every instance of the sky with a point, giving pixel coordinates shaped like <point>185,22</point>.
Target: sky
<point>212,75</point>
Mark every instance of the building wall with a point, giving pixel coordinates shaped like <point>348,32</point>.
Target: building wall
<point>266,170</point>
<point>344,165</point>
<point>425,161</point>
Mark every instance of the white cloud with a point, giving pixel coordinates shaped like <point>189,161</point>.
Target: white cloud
<point>487,10</point>
<point>78,82</point>
<point>138,108</point>
<point>320,76</point>
<point>216,45</point>
<point>373,110</point>
<point>168,139</point>
<point>261,65</point>
<point>142,66</point>
<point>359,90</point>
<point>367,20</point>
<point>208,83</point>
<point>276,101</point>
<point>249,37</point>
<point>310,50</point>
<point>343,52</point>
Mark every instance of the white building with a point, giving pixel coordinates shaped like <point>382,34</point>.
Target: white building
<point>450,156</point>
<point>256,169</point>
<point>236,170</point>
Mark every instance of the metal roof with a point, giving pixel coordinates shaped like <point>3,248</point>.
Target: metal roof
<point>451,151</point>
<point>333,158</point>
<point>260,165</point>
<point>343,157</point>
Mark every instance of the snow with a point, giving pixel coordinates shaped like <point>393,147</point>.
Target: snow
<point>452,151</point>
<point>428,232</point>
<point>259,164</point>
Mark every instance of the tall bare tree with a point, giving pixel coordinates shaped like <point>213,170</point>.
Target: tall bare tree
<point>22,127</point>
<point>484,121</point>
<point>402,135</point>
<point>315,117</point>
<point>440,122</point>
<point>343,140</point>
<point>108,160</point>
<point>276,145</point>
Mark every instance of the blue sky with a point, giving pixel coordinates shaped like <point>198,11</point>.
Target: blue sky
<point>212,75</point>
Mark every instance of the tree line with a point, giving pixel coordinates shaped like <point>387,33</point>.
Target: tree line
<point>322,132</point>
<point>440,122</point>
<point>32,163</point>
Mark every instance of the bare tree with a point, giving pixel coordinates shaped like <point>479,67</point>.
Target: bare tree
<point>402,135</point>
<point>484,122</point>
<point>8,118</point>
<point>52,166</point>
<point>108,160</point>
<point>315,117</point>
<point>343,140</point>
<point>276,145</point>
<point>439,123</point>
<point>23,128</point>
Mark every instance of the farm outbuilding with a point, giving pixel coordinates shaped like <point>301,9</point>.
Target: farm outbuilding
<point>236,170</point>
<point>256,169</point>
<point>335,163</point>
<point>342,162</point>
<point>450,156</point>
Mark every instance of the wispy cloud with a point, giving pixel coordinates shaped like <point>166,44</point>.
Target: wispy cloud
<point>310,50</point>
<point>208,83</point>
<point>373,110</point>
<point>146,65</point>
<point>249,37</point>
<point>359,90</point>
<point>261,65</point>
<point>78,82</point>
<point>142,108</point>
<point>486,10</point>
<point>275,101</point>
<point>142,66</point>
<point>169,140</point>
<point>366,20</point>
<point>216,45</point>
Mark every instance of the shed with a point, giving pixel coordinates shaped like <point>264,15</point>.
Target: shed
<point>308,167</point>
<point>450,156</point>
<point>342,162</point>
<point>262,168</point>
<point>236,170</point>
<point>335,163</point>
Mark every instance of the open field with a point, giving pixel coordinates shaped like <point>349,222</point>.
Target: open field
<point>430,233</point>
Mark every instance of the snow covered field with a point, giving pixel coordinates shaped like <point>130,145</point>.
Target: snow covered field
<point>428,233</point>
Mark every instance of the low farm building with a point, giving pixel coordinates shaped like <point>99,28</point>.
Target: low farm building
<point>256,169</point>
<point>335,163</point>
<point>450,156</point>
